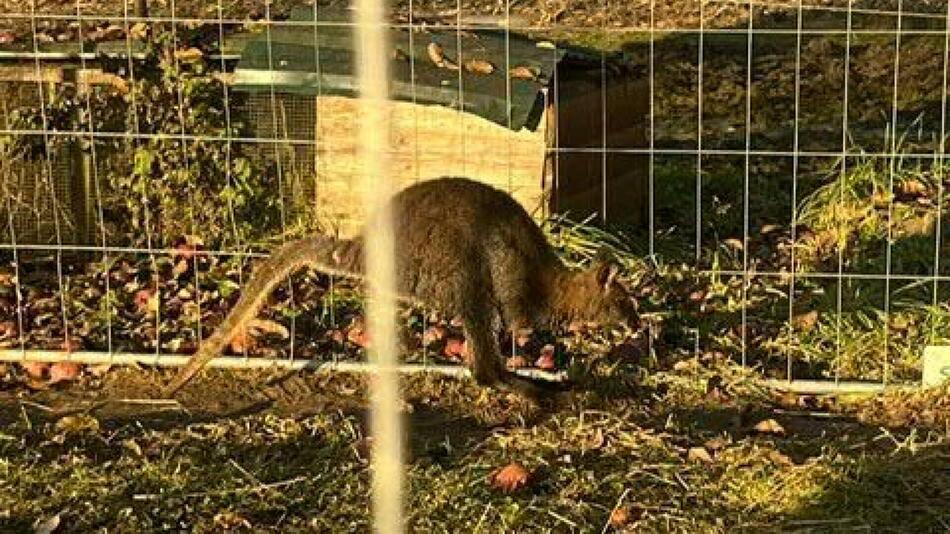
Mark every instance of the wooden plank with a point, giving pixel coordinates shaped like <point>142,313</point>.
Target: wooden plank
<point>591,181</point>
<point>830,387</point>
<point>426,142</point>
<point>29,73</point>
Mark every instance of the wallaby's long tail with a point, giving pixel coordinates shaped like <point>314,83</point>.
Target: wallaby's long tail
<point>327,255</point>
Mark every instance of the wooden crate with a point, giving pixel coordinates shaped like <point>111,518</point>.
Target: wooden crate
<point>426,142</point>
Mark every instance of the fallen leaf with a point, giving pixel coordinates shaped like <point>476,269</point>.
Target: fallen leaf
<point>733,243</point>
<point>522,72</point>
<point>510,478</point>
<point>479,66</point>
<point>699,455</point>
<point>805,321</point>
<point>433,335</point>
<point>437,56</point>
<point>180,268</point>
<point>716,444</point>
<point>146,301</point>
<point>231,521</point>
<point>242,342</point>
<point>622,516</point>
<point>139,31</point>
<point>188,55</point>
<point>436,53</point>
<point>454,348</point>
<point>357,334</point>
<point>546,361</point>
<point>769,426</point>
<point>78,423</point>
<point>64,372</point>
<point>683,366</point>
<point>36,370</point>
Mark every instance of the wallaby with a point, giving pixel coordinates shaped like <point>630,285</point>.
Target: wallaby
<point>463,248</point>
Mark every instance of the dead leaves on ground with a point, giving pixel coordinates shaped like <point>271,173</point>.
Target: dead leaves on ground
<point>40,376</point>
<point>64,372</point>
<point>769,426</point>
<point>699,455</point>
<point>77,424</point>
<point>623,516</point>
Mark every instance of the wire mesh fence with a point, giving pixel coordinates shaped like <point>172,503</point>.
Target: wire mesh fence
<point>777,166</point>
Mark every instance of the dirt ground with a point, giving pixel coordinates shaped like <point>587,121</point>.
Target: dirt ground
<point>681,451</point>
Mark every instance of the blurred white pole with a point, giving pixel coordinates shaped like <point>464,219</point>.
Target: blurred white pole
<point>380,270</point>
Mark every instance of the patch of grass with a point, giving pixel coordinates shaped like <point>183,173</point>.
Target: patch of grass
<point>861,207</point>
<point>285,470</point>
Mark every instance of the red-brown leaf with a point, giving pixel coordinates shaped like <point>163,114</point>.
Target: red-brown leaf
<point>510,478</point>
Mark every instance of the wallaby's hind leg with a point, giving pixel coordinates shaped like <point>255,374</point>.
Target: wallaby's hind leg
<point>485,361</point>
<point>484,358</point>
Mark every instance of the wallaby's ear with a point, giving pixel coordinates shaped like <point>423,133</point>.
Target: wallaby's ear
<point>607,272</point>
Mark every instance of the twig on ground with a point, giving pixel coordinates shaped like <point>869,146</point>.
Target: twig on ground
<point>246,489</point>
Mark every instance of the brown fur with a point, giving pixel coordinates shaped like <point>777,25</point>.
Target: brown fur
<point>463,248</point>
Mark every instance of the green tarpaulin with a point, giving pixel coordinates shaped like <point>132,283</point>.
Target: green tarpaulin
<point>316,56</point>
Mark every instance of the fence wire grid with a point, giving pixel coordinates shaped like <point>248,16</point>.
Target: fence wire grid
<point>787,157</point>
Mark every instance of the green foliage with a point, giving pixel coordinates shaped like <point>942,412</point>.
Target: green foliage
<point>866,203</point>
<point>177,174</point>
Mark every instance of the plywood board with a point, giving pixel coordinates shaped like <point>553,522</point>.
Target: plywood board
<point>426,142</point>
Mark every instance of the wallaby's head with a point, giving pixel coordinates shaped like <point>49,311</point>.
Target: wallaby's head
<point>599,295</point>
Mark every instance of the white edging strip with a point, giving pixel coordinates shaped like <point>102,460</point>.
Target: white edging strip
<point>239,362</point>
